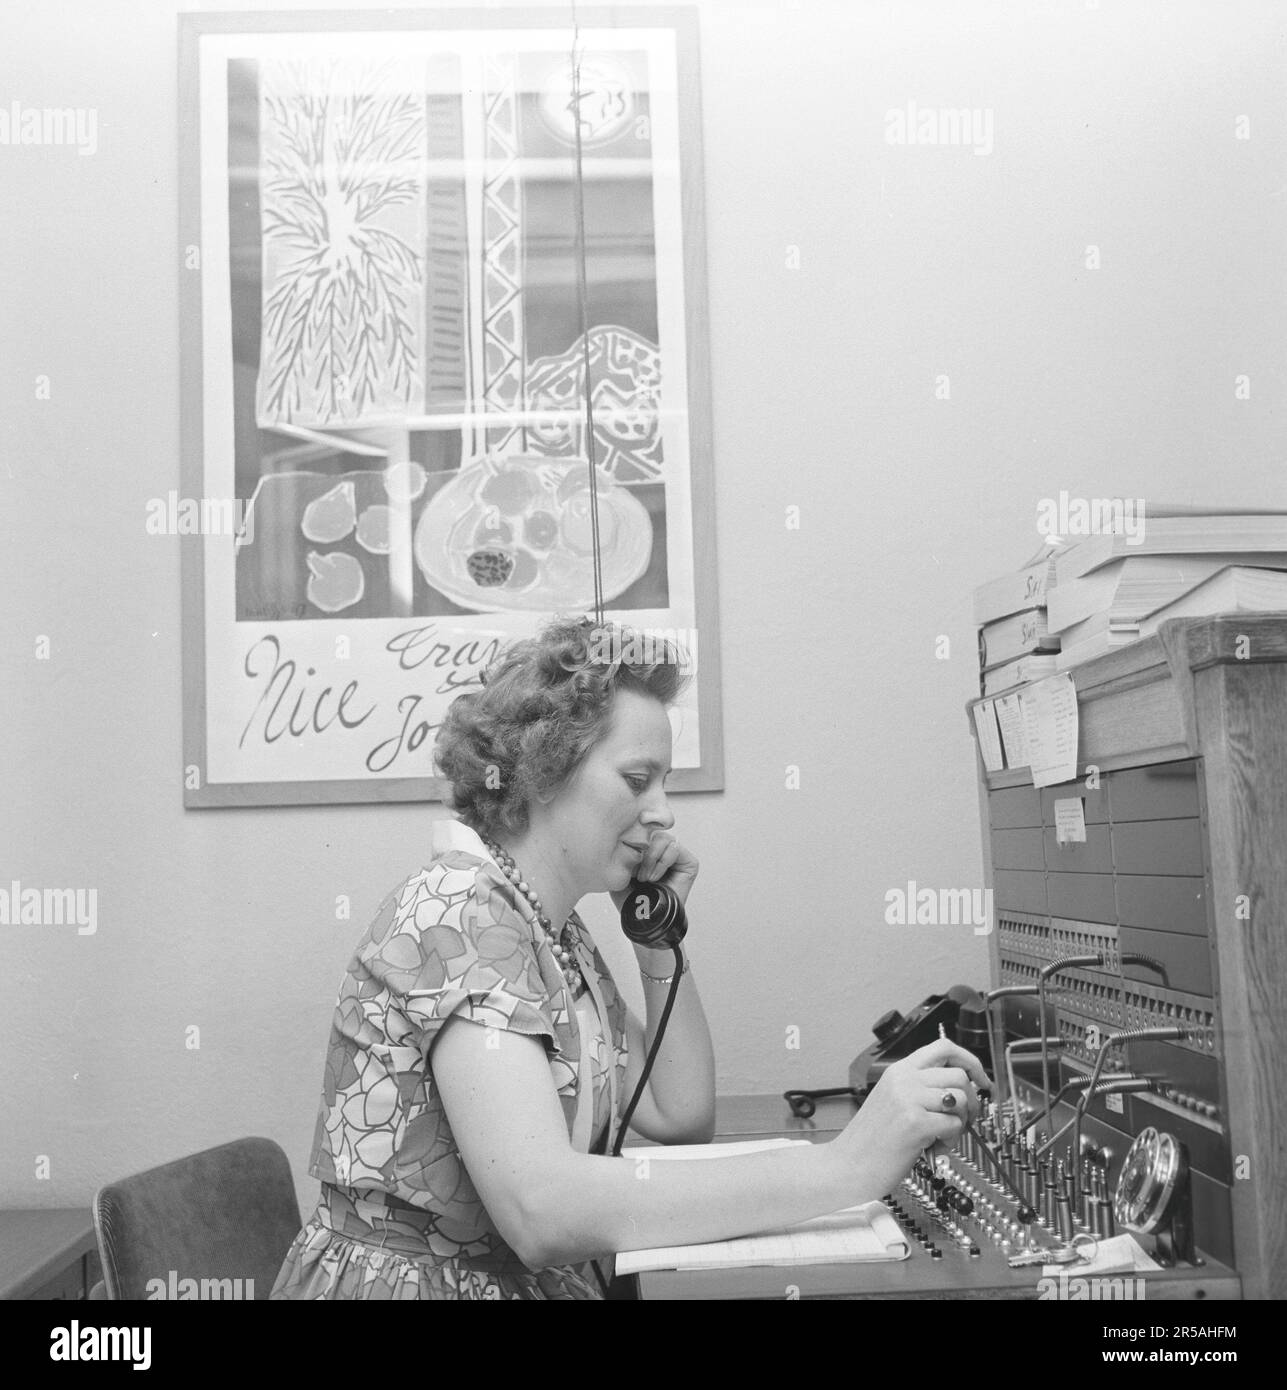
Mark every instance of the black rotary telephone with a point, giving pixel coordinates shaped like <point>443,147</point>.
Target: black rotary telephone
<point>961,1011</point>
<point>962,1014</point>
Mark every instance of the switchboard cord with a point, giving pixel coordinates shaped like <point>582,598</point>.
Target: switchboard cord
<point>1077,1083</point>
<point>1002,992</point>
<point>1025,1045</point>
<point>1113,1040</point>
<point>1067,963</point>
<point>1110,1086</point>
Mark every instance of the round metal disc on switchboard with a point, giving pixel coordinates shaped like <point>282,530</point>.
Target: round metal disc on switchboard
<point>1150,1174</point>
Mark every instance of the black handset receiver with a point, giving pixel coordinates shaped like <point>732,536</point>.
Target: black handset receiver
<point>652,915</point>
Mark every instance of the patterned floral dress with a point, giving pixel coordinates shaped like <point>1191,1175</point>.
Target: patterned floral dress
<point>398,1216</point>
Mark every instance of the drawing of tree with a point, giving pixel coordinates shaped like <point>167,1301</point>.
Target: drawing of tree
<point>342,197</point>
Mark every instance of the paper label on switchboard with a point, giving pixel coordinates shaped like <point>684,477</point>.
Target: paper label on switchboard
<point>1050,728</point>
<point>1010,718</point>
<point>985,724</point>
<point>1070,821</point>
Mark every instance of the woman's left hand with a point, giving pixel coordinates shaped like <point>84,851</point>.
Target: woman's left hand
<point>666,861</point>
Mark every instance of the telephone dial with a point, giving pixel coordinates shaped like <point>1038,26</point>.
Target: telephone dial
<point>1154,1198</point>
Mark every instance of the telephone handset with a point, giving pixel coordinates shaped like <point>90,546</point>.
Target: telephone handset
<point>652,915</point>
<point>962,1013</point>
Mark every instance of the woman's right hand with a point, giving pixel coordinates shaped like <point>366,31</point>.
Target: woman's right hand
<point>908,1110</point>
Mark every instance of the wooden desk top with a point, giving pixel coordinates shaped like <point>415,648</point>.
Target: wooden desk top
<point>36,1244</point>
<point>955,1276</point>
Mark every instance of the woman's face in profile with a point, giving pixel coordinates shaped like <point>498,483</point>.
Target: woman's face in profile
<point>615,799</point>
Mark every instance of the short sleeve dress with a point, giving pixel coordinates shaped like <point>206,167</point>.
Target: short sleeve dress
<point>398,1217</point>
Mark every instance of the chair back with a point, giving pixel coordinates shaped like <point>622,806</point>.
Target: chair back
<point>214,1225</point>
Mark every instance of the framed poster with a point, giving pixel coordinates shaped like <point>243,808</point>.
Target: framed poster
<point>400,269</point>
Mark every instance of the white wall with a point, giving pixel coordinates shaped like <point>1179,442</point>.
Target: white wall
<point>1113,126</point>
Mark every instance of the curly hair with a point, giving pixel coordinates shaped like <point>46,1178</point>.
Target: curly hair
<point>545,702</point>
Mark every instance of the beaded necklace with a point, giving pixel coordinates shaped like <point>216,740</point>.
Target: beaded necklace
<point>560,942</point>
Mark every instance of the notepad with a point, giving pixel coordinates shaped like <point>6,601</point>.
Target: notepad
<point>865,1232</point>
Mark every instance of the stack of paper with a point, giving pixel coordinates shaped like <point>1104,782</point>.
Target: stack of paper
<point>1016,642</point>
<point>866,1232</point>
<point>1094,594</point>
<point>1113,589</point>
<point>1236,589</point>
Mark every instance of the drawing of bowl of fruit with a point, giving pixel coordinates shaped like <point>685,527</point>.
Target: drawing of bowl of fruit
<point>517,533</point>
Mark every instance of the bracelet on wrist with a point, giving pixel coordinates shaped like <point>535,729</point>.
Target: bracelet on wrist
<point>662,979</point>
